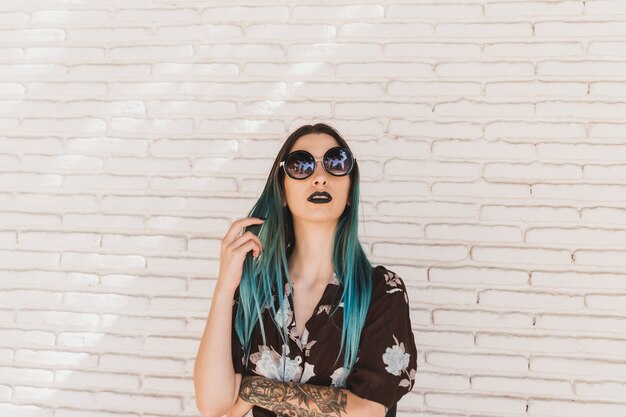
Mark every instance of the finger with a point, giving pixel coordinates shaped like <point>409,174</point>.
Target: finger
<point>249,246</point>
<point>238,225</point>
<point>245,237</point>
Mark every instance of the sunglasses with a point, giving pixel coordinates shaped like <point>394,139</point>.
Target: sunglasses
<point>337,161</point>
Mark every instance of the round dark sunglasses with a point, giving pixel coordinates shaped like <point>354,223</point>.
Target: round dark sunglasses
<point>337,161</point>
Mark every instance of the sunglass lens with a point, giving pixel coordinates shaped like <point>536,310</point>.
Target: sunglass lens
<point>338,161</point>
<point>300,165</point>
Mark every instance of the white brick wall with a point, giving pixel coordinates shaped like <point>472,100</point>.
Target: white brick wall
<point>490,140</point>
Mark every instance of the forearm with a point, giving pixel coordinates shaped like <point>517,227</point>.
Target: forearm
<point>214,374</point>
<point>301,400</point>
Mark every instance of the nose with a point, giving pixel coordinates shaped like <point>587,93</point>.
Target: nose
<point>319,175</point>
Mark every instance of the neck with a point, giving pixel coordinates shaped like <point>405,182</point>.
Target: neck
<point>310,262</point>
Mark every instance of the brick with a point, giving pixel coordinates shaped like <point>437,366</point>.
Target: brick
<point>29,259</point>
<point>26,410</point>
<point>99,341</point>
<point>582,324</point>
<point>482,319</point>
<point>70,17</point>
<point>67,88</point>
<point>150,126</point>
<point>448,252</point>
<point>426,209</point>
<point>291,31</point>
<point>554,344</point>
<point>444,339</point>
<point>143,324</point>
<point>99,260</point>
<point>175,107</point>
<point>142,283</point>
<point>444,296</point>
<point>577,367</point>
<point>62,125</point>
<point>200,31</point>
<point>150,53</point>
<point>91,72</point>
<point>61,53</point>
<point>143,242</point>
<point>472,232</point>
<point>535,8</point>
<point>59,239</point>
<point>490,363</point>
<point>105,300</point>
<point>425,11</point>
<point>531,301</point>
<point>581,235</point>
<point>104,221</point>
<point>45,279</point>
<point>245,13</point>
<point>338,12</point>
<point>63,319</point>
<point>525,385</point>
<point>241,51</point>
<point>140,403</point>
<point>27,298</point>
<point>483,150</point>
<point>55,358</point>
<point>19,338</point>
<point>389,30</point>
<point>143,203</point>
<point>107,146</point>
<point>81,379</point>
<point>141,364</point>
<point>171,344</point>
<point>30,181</point>
<point>186,265</point>
<point>30,35</point>
<point>522,255</point>
<point>477,276</point>
<point>477,403</point>
<point>551,214</point>
<point>575,30</point>
<point>577,280</point>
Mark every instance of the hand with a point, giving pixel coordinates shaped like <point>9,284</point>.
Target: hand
<point>240,408</point>
<point>233,252</point>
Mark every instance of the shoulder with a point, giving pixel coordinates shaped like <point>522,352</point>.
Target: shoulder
<point>388,284</point>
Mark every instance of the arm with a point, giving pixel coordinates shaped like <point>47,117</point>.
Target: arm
<point>214,374</point>
<point>306,400</point>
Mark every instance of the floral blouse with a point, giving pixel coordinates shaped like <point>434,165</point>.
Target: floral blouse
<point>387,357</point>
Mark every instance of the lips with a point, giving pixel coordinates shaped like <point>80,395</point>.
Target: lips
<point>322,197</point>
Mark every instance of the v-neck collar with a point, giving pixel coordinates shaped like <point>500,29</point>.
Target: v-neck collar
<point>332,288</point>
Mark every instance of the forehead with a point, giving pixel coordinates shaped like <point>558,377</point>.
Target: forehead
<point>315,143</point>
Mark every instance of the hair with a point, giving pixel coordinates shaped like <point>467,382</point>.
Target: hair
<point>261,275</point>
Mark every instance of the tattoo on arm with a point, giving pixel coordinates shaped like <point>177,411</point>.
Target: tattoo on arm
<point>287,398</point>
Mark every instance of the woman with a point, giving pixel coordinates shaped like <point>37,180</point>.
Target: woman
<point>304,325</point>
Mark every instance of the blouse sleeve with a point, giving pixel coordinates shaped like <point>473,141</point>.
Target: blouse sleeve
<point>236,347</point>
<point>387,360</point>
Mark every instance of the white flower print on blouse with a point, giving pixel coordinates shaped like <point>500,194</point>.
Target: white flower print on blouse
<point>307,373</point>
<point>286,315</point>
<point>272,365</point>
<point>397,360</point>
<point>394,282</point>
<point>339,377</point>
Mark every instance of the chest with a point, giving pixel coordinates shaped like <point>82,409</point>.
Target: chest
<point>305,300</point>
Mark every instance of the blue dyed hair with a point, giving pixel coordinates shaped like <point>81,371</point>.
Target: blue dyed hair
<point>261,275</point>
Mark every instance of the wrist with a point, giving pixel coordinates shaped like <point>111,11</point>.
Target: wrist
<point>222,290</point>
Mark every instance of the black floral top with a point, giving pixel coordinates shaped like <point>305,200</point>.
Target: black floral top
<point>387,358</point>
